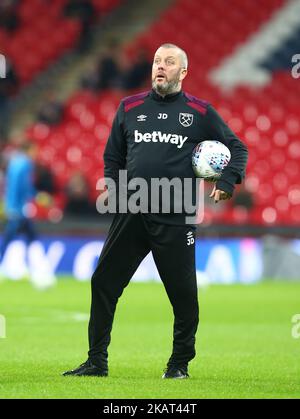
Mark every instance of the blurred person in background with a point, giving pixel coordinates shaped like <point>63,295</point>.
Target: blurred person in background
<point>52,110</point>
<point>115,71</point>
<point>84,11</point>
<point>107,72</point>
<point>44,180</point>
<point>9,19</point>
<point>110,67</point>
<point>242,204</point>
<point>243,199</point>
<point>77,193</point>
<point>138,73</point>
<point>19,191</point>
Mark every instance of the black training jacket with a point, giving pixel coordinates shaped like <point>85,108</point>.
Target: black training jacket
<point>154,137</point>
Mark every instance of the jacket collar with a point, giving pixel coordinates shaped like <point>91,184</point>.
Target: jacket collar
<point>168,98</point>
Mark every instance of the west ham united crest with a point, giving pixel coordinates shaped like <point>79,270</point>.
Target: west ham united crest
<point>186,119</point>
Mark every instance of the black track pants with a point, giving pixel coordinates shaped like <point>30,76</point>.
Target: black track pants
<point>131,237</point>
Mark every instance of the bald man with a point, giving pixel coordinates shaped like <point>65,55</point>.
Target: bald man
<point>152,137</point>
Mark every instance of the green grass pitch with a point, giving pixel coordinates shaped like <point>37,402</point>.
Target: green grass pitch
<point>245,347</point>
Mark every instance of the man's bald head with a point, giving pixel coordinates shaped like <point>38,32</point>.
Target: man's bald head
<point>181,52</point>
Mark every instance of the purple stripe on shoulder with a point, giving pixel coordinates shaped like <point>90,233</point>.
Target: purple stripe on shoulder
<point>135,100</point>
<point>198,104</point>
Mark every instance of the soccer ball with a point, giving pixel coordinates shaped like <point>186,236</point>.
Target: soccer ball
<point>209,158</point>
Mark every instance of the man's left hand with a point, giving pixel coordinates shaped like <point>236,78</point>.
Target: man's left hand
<point>219,195</point>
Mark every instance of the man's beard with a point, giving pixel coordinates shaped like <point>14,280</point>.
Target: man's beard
<point>167,87</point>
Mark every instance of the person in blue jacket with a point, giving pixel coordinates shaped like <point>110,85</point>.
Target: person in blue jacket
<point>19,191</point>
